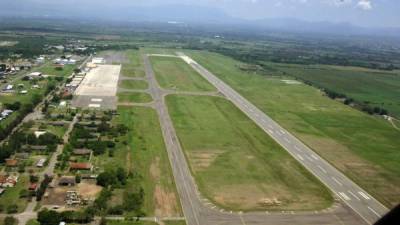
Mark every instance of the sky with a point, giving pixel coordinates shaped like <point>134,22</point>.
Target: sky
<point>367,13</point>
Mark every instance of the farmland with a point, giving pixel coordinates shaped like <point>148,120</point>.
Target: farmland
<point>362,146</point>
<point>377,88</point>
<point>173,73</point>
<point>236,164</point>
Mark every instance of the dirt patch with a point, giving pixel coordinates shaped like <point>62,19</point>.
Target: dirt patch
<point>155,169</point>
<point>56,196</point>
<point>128,159</point>
<point>201,160</point>
<point>165,202</point>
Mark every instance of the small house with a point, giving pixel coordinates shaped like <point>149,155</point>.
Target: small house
<point>11,162</point>
<point>80,166</point>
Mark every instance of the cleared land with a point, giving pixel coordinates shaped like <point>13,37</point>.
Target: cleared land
<point>142,150</point>
<point>134,84</point>
<point>364,147</point>
<point>173,73</point>
<point>134,97</point>
<point>378,88</point>
<point>236,164</point>
<point>49,69</point>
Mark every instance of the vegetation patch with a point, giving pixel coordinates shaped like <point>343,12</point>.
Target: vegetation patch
<point>131,97</point>
<point>174,73</point>
<point>134,84</point>
<point>236,164</point>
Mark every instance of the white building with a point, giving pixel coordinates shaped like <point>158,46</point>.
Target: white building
<point>35,74</point>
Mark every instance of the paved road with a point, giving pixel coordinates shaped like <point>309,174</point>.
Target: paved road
<point>199,211</point>
<point>355,197</point>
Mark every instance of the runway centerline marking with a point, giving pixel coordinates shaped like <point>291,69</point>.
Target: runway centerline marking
<point>354,195</point>
<point>322,169</point>
<point>334,179</point>
<point>377,214</point>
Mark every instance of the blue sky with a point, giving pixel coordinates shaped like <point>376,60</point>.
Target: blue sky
<point>368,13</point>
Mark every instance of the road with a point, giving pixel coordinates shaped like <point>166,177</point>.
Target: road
<point>198,210</point>
<point>350,193</point>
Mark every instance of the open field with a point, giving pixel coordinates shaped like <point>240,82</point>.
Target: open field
<point>173,73</point>
<point>134,84</point>
<point>364,147</point>
<point>134,97</point>
<point>133,66</point>
<point>236,164</point>
<point>145,154</point>
<point>379,88</point>
<point>49,69</point>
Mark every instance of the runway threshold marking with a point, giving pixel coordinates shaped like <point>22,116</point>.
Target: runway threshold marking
<point>314,156</point>
<point>364,195</point>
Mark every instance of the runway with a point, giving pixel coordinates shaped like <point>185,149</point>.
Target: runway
<point>350,193</point>
<point>199,211</point>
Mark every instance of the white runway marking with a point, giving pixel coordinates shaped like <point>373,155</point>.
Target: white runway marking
<point>333,178</point>
<point>355,196</point>
<point>314,156</point>
<point>377,214</point>
<point>297,148</point>
<point>363,195</point>
<point>287,140</point>
<point>345,197</point>
<point>322,169</point>
<point>300,157</point>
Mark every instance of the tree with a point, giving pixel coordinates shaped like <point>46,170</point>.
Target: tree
<point>13,208</point>
<point>49,217</point>
<point>9,220</point>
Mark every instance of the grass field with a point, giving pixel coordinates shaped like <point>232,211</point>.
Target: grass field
<point>49,69</point>
<point>133,97</point>
<point>173,73</point>
<point>364,147</point>
<point>236,164</point>
<point>379,88</point>
<point>145,154</point>
<point>133,68</point>
<point>124,222</point>
<point>134,84</point>
<point>11,195</point>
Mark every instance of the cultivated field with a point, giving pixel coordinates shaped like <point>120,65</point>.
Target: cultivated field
<point>236,164</point>
<point>364,147</point>
<point>173,73</point>
<point>142,151</point>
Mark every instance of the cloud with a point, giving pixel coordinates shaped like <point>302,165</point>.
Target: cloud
<point>364,4</point>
